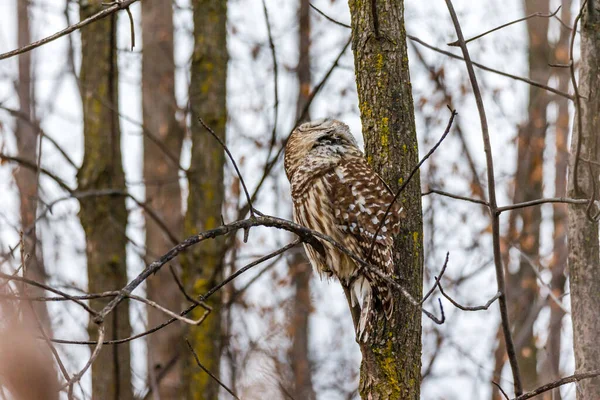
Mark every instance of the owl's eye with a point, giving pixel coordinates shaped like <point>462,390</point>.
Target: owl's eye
<point>329,141</point>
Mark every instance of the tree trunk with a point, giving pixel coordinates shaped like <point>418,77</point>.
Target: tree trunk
<point>522,287</point>
<point>26,137</point>
<point>163,193</point>
<point>300,268</point>
<point>392,369</point>
<point>550,367</point>
<point>522,284</point>
<point>203,264</point>
<point>103,218</point>
<point>584,259</point>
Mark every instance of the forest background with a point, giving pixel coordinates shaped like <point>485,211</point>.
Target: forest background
<point>152,175</point>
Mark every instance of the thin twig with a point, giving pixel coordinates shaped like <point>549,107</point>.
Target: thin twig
<point>558,383</point>
<point>33,167</point>
<point>538,274</point>
<point>501,390</point>
<point>210,373</point>
<point>48,288</point>
<point>437,279</point>
<point>185,293</point>
<point>577,100</point>
<point>131,27</point>
<point>39,324</point>
<point>537,202</point>
<point>99,343</point>
<point>469,308</point>
<point>510,347</point>
<point>406,181</point>
<point>454,196</point>
<point>169,312</point>
<point>237,170</point>
<point>275,82</point>
<point>327,17</point>
<point>98,16</point>
<point>437,78</point>
<point>35,125</point>
<point>537,14</point>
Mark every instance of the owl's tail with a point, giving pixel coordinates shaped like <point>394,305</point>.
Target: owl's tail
<point>362,294</point>
<point>366,293</point>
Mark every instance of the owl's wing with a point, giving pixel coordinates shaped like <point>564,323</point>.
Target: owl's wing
<point>360,200</point>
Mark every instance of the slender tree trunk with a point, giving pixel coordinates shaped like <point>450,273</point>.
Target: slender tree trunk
<point>27,141</point>
<point>522,284</point>
<point>550,367</point>
<point>300,268</point>
<point>303,69</point>
<point>392,369</point>
<point>584,258</point>
<point>203,264</point>
<point>528,185</point>
<point>163,193</point>
<point>104,219</point>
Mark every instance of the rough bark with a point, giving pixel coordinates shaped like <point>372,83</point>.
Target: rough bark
<point>303,69</point>
<point>584,258</point>
<point>522,284</point>
<point>104,219</point>
<point>391,369</point>
<point>25,178</point>
<point>550,367</point>
<point>300,268</point>
<point>522,287</point>
<point>163,193</point>
<point>203,264</point>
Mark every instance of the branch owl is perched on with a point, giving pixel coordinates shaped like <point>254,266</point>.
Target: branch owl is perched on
<point>336,192</point>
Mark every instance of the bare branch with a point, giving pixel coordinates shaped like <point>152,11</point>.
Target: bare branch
<point>558,383</point>
<point>50,289</point>
<point>469,308</point>
<point>210,373</point>
<point>275,82</point>
<point>537,14</point>
<point>537,202</point>
<point>121,5</point>
<point>437,279</point>
<point>327,17</point>
<point>77,377</point>
<point>455,196</point>
<point>577,99</point>
<point>237,170</point>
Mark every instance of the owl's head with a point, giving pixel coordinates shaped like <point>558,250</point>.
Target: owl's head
<point>319,143</point>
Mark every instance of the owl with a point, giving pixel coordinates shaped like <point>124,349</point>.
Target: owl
<point>335,192</point>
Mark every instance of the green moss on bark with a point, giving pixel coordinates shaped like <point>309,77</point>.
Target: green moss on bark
<point>391,366</point>
<point>202,264</point>
<point>104,218</point>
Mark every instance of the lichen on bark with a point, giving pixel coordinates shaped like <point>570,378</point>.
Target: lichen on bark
<point>584,251</point>
<point>391,366</point>
<point>202,265</point>
<point>104,218</point>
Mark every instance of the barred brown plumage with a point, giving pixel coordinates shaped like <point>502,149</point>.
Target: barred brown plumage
<point>336,192</point>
